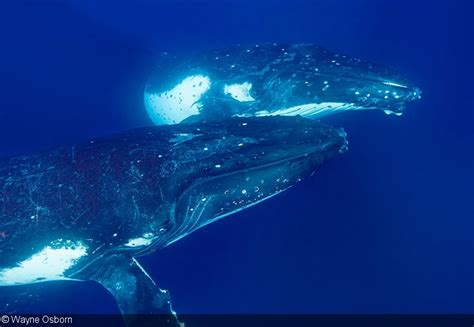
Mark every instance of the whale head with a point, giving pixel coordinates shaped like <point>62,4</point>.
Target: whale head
<point>269,80</point>
<point>223,167</point>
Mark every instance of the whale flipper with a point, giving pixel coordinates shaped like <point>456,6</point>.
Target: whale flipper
<point>136,293</point>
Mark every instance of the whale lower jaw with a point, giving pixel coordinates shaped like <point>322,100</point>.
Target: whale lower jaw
<point>310,110</point>
<point>319,110</point>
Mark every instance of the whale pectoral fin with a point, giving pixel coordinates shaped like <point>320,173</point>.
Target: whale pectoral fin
<point>140,300</point>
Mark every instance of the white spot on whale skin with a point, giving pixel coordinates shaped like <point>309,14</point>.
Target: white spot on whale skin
<point>46,265</point>
<point>146,240</point>
<point>178,103</point>
<point>239,92</point>
<point>390,112</point>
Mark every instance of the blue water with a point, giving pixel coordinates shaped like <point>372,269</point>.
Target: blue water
<point>387,227</point>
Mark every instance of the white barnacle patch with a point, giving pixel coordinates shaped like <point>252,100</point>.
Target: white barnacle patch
<point>179,102</point>
<point>239,92</point>
<point>48,264</point>
<point>145,240</point>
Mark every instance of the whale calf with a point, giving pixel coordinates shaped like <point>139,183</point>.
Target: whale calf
<point>270,79</point>
<point>87,212</point>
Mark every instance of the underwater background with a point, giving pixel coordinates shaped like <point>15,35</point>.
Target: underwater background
<point>388,227</point>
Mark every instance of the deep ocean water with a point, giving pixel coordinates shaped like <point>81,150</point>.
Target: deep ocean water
<point>385,228</point>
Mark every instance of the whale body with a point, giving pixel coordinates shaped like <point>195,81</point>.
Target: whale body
<point>270,79</point>
<point>87,212</point>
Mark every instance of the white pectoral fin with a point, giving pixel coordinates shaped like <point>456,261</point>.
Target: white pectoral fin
<point>179,102</point>
<point>48,264</point>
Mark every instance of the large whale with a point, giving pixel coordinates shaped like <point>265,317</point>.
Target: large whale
<point>270,79</point>
<point>86,212</point>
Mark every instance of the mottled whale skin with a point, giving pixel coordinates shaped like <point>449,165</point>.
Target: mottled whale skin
<point>270,79</point>
<point>86,212</point>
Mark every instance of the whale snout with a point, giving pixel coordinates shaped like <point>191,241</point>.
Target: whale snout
<point>393,98</point>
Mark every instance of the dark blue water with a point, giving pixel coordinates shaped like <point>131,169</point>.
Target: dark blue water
<point>386,228</point>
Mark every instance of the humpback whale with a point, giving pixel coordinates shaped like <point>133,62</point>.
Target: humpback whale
<point>270,79</point>
<point>88,211</point>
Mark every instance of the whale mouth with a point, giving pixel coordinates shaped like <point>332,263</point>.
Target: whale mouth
<point>211,199</point>
<point>390,102</point>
